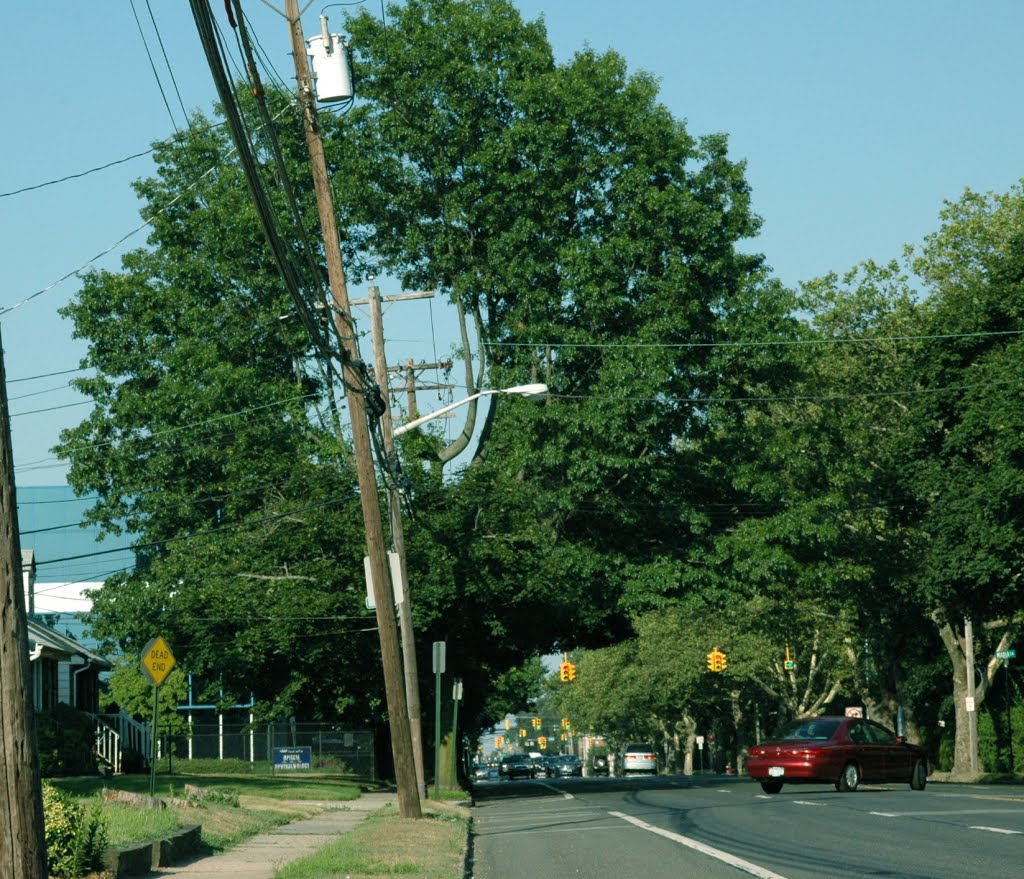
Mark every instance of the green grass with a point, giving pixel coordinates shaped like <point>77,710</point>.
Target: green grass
<point>384,845</point>
<point>279,787</point>
<point>264,802</point>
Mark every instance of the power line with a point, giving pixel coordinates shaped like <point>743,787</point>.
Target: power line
<point>152,65</point>
<point>762,343</point>
<point>234,526</point>
<point>76,176</point>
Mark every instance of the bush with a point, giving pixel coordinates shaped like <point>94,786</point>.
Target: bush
<point>66,739</point>
<point>75,838</point>
<point>133,761</point>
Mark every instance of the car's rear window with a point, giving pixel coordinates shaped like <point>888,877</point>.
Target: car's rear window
<point>810,730</point>
<point>646,749</point>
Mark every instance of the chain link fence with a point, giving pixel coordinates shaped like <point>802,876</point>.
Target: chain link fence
<point>333,747</point>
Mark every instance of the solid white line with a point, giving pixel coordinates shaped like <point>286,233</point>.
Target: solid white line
<point>807,803</point>
<point>718,854</point>
<point>885,814</point>
<point>999,830</point>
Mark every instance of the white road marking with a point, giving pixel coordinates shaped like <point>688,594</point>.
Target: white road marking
<point>999,830</point>
<point>807,803</point>
<point>718,854</point>
<point>885,814</point>
<point>557,790</point>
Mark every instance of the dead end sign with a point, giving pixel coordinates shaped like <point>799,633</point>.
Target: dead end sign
<point>157,660</point>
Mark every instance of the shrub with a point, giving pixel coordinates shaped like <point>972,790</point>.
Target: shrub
<point>66,739</point>
<point>133,761</point>
<point>75,837</point>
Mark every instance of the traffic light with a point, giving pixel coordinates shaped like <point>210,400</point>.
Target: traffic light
<point>542,741</point>
<point>499,741</point>
<point>508,723</point>
<point>536,723</point>
<point>522,733</point>
<point>565,723</point>
<point>717,660</point>
<point>572,671</point>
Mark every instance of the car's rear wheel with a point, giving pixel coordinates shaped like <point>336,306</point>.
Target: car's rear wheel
<point>771,787</point>
<point>849,779</point>
<point>919,777</point>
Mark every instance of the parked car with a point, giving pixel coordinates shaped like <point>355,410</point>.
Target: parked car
<point>843,751</point>
<point>639,757</point>
<point>599,764</point>
<point>566,765</point>
<point>515,766</point>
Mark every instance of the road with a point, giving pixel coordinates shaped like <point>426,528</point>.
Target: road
<point>727,828</point>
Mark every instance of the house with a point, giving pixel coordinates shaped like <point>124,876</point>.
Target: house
<point>62,668</point>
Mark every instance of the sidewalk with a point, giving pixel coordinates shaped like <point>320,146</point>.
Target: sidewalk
<point>257,858</point>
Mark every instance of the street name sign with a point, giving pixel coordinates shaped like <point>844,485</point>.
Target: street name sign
<point>1006,654</point>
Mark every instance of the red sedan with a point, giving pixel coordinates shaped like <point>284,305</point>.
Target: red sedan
<point>843,751</point>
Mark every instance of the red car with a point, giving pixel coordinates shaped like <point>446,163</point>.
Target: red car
<point>843,751</point>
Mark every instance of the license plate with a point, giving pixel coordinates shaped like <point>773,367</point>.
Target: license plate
<point>776,771</point>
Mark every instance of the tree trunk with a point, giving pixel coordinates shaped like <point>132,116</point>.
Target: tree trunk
<point>953,640</point>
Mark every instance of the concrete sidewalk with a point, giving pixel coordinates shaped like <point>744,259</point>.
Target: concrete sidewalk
<point>257,858</point>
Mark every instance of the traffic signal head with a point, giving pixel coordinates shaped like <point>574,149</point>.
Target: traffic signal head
<point>572,671</point>
<point>716,660</point>
<point>564,675</point>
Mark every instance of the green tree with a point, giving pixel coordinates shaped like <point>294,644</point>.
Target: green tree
<point>963,468</point>
<point>214,439</point>
<point>598,239</point>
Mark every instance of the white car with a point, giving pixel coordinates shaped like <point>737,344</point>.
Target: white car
<point>639,757</point>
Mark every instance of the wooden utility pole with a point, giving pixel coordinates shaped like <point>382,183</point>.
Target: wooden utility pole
<point>22,843</point>
<point>412,681</point>
<point>398,716</point>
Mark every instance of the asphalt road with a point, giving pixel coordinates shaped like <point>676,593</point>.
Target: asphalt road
<point>724,828</point>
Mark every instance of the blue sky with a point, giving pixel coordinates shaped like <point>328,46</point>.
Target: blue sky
<point>856,120</point>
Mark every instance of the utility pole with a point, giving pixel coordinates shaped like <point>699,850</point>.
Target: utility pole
<point>412,684</point>
<point>22,843</point>
<point>972,714</point>
<point>398,715</point>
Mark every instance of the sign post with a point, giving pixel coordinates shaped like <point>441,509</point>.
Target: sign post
<point>1006,656</point>
<point>157,662</point>
<point>438,656</point>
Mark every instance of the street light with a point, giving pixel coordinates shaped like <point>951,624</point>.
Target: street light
<point>529,391</point>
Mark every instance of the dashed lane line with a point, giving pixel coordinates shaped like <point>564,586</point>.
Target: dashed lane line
<point>999,830</point>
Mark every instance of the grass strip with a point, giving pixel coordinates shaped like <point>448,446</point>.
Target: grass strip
<point>386,845</point>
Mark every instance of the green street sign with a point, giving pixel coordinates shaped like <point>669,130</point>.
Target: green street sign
<point>1006,654</point>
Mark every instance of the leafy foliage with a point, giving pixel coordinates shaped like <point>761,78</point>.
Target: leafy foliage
<point>65,739</point>
<point>75,836</point>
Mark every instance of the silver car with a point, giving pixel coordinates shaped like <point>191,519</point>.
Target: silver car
<point>639,757</point>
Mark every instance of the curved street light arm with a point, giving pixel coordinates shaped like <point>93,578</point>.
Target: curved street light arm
<point>537,390</point>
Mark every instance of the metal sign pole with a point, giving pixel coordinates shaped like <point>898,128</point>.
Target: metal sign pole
<point>152,758</point>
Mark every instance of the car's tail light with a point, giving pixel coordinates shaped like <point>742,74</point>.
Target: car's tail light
<point>809,752</point>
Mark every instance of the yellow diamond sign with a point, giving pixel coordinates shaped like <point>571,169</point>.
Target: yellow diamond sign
<point>157,660</point>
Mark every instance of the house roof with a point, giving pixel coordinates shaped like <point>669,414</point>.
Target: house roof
<point>57,646</point>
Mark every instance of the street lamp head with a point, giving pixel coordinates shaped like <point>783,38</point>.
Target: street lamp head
<point>535,390</point>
